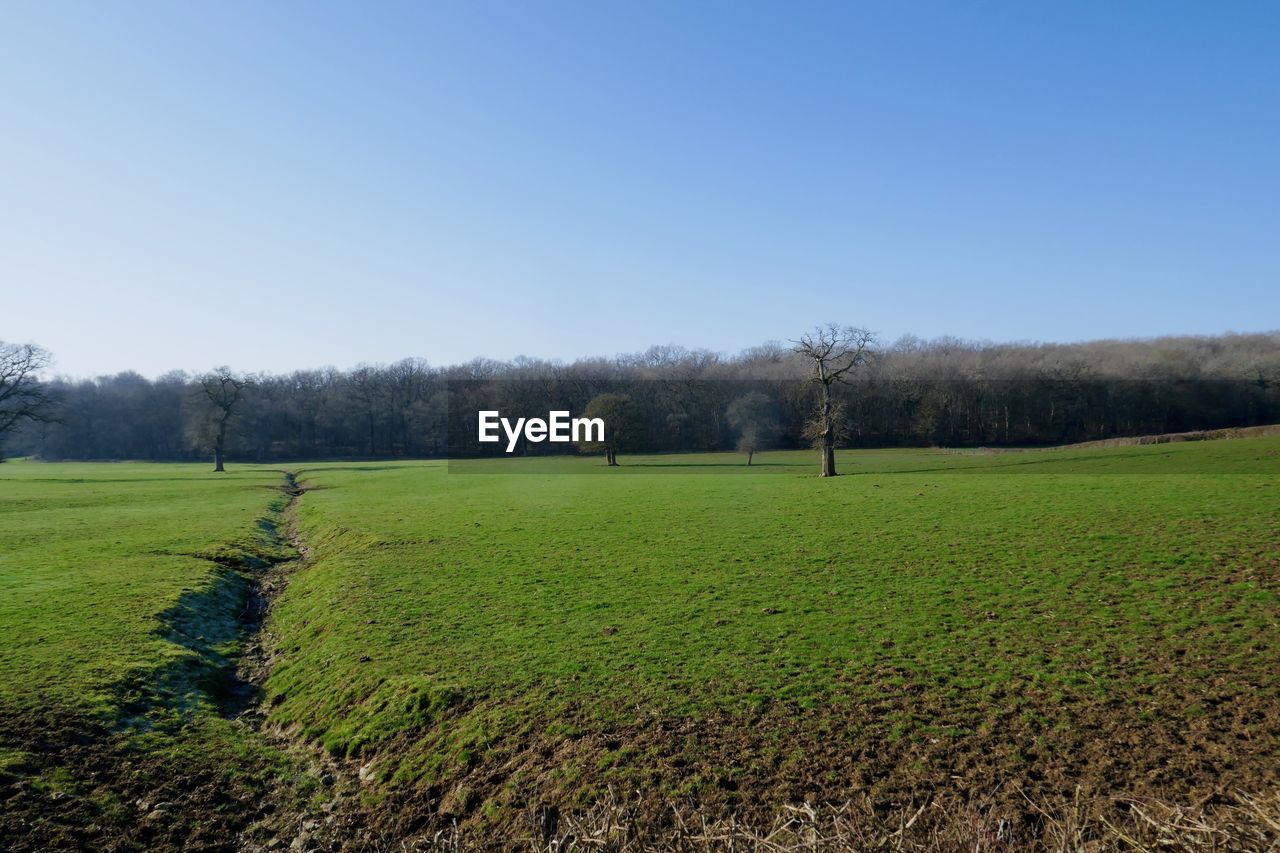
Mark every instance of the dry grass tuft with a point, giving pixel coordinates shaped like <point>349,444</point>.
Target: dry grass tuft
<point>1078,824</point>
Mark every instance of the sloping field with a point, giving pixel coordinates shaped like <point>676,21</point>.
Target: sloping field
<point>935,649</point>
<point>988,633</point>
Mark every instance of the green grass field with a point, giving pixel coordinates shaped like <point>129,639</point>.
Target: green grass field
<point>482,640</point>
<point>94,555</point>
<point>118,623</point>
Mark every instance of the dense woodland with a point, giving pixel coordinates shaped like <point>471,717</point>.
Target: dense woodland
<point>944,392</point>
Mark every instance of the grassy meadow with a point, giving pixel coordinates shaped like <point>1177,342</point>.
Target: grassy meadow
<point>119,623</point>
<point>96,563</point>
<point>476,641</point>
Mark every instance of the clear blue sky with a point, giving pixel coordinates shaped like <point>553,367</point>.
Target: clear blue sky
<point>288,184</point>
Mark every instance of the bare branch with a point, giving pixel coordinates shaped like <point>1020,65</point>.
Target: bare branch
<point>23,397</point>
<point>836,350</point>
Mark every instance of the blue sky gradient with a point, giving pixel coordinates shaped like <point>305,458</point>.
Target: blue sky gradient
<point>283,185</point>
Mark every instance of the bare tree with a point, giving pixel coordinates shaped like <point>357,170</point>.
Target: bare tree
<point>22,396</point>
<point>835,351</point>
<point>755,418</point>
<point>224,392</point>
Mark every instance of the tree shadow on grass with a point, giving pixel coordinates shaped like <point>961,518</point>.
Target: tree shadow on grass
<point>366,468</point>
<point>742,465</point>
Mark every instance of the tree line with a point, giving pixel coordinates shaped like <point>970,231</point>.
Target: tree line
<point>835,387</point>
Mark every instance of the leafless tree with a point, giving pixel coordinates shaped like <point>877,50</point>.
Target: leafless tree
<point>224,393</point>
<point>23,397</point>
<point>835,352</point>
<point>755,418</point>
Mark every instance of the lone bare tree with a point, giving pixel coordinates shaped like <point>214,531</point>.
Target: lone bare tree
<point>22,396</point>
<point>835,351</point>
<point>224,393</point>
<point>755,417</point>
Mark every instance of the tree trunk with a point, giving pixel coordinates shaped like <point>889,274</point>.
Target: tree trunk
<point>828,456</point>
<point>219,443</point>
<point>750,453</point>
<point>828,435</point>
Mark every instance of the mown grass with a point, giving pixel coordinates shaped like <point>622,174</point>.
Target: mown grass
<point>501,636</point>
